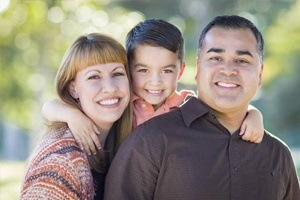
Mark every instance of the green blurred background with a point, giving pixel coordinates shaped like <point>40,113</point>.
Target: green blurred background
<point>34,35</point>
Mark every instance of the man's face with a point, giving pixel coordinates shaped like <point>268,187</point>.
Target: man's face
<point>155,72</point>
<point>229,69</point>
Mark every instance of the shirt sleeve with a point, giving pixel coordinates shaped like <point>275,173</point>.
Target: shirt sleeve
<point>134,171</point>
<point>293,188</point>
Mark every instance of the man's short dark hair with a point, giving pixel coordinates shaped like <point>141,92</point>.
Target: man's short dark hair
<point>233,22</point>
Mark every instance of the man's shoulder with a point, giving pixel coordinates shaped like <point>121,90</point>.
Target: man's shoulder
<point>275,142</point>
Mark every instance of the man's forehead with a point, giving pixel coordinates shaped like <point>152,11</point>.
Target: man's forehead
<point>221,39</point>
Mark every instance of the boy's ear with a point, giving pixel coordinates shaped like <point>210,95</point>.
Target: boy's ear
<point>72,90</point>
<point>181,71</point>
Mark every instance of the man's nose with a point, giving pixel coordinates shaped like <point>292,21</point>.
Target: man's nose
<point>229,69</point>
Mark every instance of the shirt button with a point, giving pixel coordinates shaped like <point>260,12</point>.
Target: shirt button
<point>235,169</point>
<point>273,173</point>
<point>143,105</point>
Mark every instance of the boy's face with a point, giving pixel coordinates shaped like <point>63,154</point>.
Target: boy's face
<point>155,72</point>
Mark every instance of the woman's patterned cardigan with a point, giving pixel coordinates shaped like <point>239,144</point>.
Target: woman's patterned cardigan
<point>58,169</point>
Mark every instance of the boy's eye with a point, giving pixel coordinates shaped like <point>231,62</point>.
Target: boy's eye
<point>93,77</point>
<point>142,70</point>
<point>167,71</point>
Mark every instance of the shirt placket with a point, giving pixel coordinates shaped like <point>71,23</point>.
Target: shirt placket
<point>235,184</point>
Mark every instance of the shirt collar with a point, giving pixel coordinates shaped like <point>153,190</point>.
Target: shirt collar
<point>134,97</point>
<point>193,109</point>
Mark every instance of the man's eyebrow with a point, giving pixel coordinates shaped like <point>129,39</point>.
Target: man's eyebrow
<point>238,52</point>
<point>241,52</point>
<point>215,50</point>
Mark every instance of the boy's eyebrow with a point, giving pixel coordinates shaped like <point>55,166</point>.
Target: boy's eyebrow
<point>170,65</point>
<point>144,65</point>
<point>140,64</point>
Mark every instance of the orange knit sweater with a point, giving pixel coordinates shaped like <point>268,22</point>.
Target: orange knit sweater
<point>58,169</point>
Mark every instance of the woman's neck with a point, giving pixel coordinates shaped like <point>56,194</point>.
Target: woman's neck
<point>103,134</point>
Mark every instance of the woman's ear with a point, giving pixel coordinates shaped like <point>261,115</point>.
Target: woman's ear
<point>73,91</point>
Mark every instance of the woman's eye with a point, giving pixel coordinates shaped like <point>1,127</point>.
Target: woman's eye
<point>93,77</point>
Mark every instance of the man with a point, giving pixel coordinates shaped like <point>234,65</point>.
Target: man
<point>195,152</point>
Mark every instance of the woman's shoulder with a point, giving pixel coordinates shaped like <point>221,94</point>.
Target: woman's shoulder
<point>58,161</point>
<point>56,146</point>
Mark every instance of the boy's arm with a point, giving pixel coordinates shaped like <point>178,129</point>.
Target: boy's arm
<point>84,130</point>
<point>252,128</point>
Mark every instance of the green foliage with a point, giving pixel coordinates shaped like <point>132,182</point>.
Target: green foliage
<point>34,36</point>
<point>281,102</point>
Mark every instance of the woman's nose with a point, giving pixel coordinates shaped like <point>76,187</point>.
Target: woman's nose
<point>109,85</point>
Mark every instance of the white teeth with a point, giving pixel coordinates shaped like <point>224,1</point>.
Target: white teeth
<point>109,102</point>
<point>155,91</point>
<point>228,85</point>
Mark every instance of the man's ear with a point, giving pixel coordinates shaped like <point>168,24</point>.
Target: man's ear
<point>197,65</point>
<point>181,71</point>
<point>73,91</point>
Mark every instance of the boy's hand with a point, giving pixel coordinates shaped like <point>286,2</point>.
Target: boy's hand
<point>250,134</point>
<point>85,133</point>
<point>252,128</point>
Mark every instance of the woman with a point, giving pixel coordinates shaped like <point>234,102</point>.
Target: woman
<point>94,77</point>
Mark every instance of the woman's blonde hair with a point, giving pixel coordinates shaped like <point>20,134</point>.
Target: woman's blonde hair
<point>89,50</point>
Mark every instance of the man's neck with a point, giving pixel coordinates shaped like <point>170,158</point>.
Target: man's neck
<point>231,121</point>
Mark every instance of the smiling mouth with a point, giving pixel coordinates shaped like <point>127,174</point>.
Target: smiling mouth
<point>155,91</point>
<point>109,102</point>
<point>227,85</point>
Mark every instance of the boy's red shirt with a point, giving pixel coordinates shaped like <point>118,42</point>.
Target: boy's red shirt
<point>143,111</point>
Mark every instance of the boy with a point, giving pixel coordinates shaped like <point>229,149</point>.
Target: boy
<point>155,50</point>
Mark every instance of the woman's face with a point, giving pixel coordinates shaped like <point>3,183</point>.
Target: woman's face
<point>103,92</point>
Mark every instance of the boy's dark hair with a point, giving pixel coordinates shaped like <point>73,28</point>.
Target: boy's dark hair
<point>234,22</point>
<point>156,33</point>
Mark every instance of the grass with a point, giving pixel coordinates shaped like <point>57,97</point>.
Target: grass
<point>11,174</point>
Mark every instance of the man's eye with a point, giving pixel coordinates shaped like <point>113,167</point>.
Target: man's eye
<point>215,59</point>
<point>242,61</point>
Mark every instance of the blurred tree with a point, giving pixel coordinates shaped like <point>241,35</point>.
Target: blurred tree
<point>34,36</point>
<point>281,103</point>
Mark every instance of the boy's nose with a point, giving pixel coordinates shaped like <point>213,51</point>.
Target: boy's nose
<point>155,79</point>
